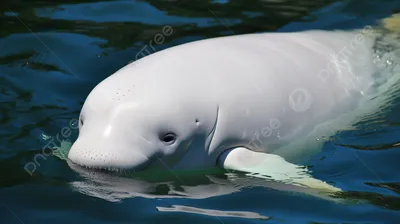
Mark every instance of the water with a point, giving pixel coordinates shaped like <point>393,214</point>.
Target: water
<point>54,52</point>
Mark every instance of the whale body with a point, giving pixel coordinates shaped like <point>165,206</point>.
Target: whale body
<point>259,103</point>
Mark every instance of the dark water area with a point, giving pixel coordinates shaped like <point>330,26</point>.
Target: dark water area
<point>52,53</point>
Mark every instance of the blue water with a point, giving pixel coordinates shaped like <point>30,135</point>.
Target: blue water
<point>52,53</point>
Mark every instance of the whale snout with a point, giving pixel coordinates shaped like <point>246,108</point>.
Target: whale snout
<point>107,157</point>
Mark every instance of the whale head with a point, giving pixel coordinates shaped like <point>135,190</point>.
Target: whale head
<point>139,119</point>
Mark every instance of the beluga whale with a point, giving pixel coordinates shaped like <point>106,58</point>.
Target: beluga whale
<point>255,103</point>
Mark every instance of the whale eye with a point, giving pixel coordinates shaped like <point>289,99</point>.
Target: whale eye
<point>80,122</point>
<point>169,138</point>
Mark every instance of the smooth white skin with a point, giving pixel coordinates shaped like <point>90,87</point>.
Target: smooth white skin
<point>221,93</point>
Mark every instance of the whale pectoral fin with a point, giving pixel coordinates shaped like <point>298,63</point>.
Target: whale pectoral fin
<point>271,167</point>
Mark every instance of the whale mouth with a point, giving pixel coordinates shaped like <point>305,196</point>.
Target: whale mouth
<point>113,171</point>
<point>79,166</point>
<point>109,169</point>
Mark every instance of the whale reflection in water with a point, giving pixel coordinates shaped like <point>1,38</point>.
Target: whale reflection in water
<point>199,185</point>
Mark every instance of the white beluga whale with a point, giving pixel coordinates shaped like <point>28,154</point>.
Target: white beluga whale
<point>257,103</point>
